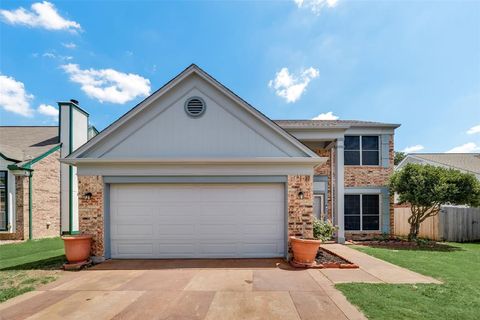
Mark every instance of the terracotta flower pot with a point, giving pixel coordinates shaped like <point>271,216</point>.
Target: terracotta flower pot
<point>77,247</point>
<point>304,250</point>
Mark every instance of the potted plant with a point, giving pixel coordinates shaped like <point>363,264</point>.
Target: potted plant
<point>77,248</point>
<point>305,250</point>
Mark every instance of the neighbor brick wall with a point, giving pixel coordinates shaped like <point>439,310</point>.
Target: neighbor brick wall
<point>300,211</point>
<point>90,212</point>
<point>21,211</point>
<point>46,197</point>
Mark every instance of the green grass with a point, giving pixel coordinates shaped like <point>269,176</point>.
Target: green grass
<point>457,298</point>
<point>24,266</point>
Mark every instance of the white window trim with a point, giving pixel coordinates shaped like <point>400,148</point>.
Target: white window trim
<point>361,151</point>
<point>361,211</point>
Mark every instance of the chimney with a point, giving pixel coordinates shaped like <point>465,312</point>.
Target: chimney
<point>73,131</point>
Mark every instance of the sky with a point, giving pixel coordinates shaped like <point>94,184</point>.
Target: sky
<point>416,63</point>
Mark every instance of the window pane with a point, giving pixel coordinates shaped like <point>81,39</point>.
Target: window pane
<point>370,143</point>
<point>371,223</point>
<point>352,143</point>
<point>352,204</point>
<point>370,158</point>
<point>370,204</point>
<point>3,177</point>
<point>352,222</point>
<point>351,158</point>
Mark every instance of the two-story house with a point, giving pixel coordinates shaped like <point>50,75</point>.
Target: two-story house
<point>194,171</point>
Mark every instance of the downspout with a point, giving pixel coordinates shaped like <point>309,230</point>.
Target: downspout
<point>70,174</point>
<point>30,205</point>
<point>332,206</point>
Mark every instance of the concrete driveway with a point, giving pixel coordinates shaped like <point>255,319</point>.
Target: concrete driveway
<point>185,289</point>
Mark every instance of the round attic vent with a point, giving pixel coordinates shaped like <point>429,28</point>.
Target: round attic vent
<point>195,107</point>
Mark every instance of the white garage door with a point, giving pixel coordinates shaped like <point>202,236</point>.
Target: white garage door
<point>197,221</point>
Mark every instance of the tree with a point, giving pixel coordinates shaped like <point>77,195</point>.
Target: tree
<point>399,156</point>
<point>427,187</point>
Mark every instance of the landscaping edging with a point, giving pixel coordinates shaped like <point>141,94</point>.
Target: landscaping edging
<point>328,265</point>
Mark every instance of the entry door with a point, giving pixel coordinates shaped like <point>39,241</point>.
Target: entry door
<point>197,221</point>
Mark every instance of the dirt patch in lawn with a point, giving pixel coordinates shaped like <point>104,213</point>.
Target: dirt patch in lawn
<point>16,282</point>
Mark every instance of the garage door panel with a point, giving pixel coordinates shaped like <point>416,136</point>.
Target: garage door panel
<point>197,221</point>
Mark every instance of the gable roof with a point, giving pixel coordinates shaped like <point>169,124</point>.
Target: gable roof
<point>462,161</point>
<point>24,143</point>
<point>332,124</point>
<point>171,84</point>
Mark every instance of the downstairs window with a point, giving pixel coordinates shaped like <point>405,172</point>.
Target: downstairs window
<point>362,212</point>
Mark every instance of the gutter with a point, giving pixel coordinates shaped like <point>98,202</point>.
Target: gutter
<point>196,161</point>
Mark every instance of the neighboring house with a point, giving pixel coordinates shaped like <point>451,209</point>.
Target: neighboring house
<point>465,162</point>
<point>194,171</point>
<point>35,189</point>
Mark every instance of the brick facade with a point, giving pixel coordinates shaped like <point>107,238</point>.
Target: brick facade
<point>300,211</point>
<point>325,169</point>
<point>46,197</point>
<point>357,176</point>
<point>45,201</point>
<point>90,212</point>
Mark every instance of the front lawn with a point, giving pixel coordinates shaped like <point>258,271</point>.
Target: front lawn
<point>457,298</point>
<point>24,266</point>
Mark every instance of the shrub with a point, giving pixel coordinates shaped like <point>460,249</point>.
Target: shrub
<point>323,230</point>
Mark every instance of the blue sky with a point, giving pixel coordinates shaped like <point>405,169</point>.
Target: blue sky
<point>415,62</point>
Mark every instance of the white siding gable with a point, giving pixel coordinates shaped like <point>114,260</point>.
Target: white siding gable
<point>163,129</point>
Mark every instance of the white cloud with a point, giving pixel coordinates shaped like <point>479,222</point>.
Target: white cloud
<point>69,45</point>
<point>290,86</point>
<point>415,148</point>
<point>316,5</point>
<point>108,85</point>
<point>42,15</point>
<point>326,116</point>
<point>48,55</point>
<point>465,148</point>
<point>48,110</point>
<point>474,130</point>
<point>14,98</point>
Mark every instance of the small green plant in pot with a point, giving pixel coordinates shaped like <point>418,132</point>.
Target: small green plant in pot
<point>323,230</point>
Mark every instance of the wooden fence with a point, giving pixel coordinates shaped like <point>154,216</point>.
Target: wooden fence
<point>451,224</point>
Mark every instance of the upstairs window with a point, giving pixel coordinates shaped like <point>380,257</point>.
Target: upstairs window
<point>362,151</point>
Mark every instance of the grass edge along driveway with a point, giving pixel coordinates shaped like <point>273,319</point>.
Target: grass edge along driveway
<point>457,298</point>
<point>27,265</point>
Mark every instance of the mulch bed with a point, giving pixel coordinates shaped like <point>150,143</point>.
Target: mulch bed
<point>327,259</point>
<point>403,244</point>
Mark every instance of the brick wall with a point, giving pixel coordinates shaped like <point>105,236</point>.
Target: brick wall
<point>90,212</point>
<point>357,176</point>
<point>300,211</point>
<point>325,170</point>
<point>46,197</point>
<point>21,211</point>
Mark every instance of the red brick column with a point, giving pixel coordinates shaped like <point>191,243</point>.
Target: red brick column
<point>90,212</point>
<point>300,211</point>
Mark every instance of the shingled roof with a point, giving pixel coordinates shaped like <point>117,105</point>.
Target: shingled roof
<point>462,161</point>
<point>331,124</point>
<point>24,143</point>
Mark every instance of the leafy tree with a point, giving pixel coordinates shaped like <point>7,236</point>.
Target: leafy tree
<point>399,156</point>
<point>427,187</point>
